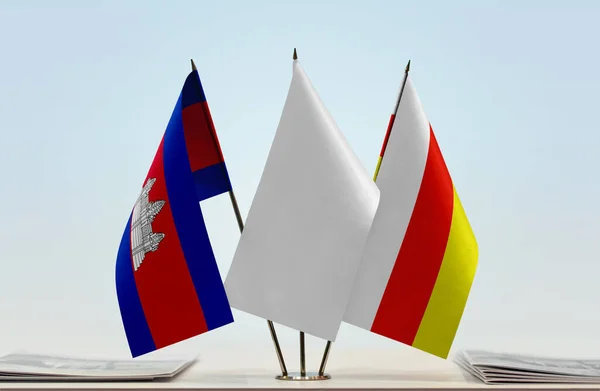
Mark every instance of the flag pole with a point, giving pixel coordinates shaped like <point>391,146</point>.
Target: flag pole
<point>240,221</point>
<point>321,375</point>
<point>391,123</point>
<point>302,347</point>
<point>302,356</point>
<point>302,375</point>
<point>324,359</point>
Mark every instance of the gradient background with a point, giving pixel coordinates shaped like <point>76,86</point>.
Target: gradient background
<point>511,88</point>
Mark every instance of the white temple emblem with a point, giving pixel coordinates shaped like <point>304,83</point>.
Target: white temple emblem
<point>143,240</point>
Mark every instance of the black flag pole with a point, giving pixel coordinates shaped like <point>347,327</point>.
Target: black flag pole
<point>391,124</point>
<point>321,375</point>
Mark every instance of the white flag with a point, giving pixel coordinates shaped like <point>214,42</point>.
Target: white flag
<point>298,255</point>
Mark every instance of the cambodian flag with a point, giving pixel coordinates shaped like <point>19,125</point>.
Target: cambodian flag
<point>168,283</point>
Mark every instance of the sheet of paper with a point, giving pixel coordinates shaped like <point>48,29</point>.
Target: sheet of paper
<point>30,366</point>
<point>503,368</point>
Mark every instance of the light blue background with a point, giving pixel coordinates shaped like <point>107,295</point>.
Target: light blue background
<point>511,88</point>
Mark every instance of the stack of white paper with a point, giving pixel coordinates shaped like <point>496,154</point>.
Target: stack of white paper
<point>502,368</point>
<point>48,368</point>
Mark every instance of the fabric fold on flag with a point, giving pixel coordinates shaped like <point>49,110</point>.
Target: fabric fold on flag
<point>168,284</point>
<point>421,255</point>
<point>297,257</point>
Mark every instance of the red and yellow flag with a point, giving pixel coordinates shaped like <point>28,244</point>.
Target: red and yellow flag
<point>421,254</point>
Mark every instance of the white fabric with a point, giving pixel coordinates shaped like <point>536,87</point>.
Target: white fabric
<point>399,181</point>
<point>298,255</point>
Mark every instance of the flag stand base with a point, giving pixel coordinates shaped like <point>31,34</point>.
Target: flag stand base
<point>308,376</point>
<point>303,375</point>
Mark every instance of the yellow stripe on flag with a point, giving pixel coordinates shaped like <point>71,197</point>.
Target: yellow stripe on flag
<point>377,168</point>
<point>449,297</point>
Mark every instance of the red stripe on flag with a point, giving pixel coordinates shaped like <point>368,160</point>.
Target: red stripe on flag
<point>387,135</point>
<point>164,284</point>
<point>200,137</point>
<point>417,266</point>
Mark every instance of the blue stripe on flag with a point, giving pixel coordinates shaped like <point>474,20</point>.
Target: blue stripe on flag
<point>134,320</point>
<point>190,225</point>
<point>192,91</point>
<point>211,181</point>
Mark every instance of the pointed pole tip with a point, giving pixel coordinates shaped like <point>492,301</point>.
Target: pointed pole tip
<point>193,65</point>
<point>295,54</point>
<point>407,67</point>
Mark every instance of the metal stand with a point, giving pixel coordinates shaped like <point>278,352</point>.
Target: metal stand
<point>308,376</point>
<point>277,348</point>
<point>303,375</point>
<point>324,359</point>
